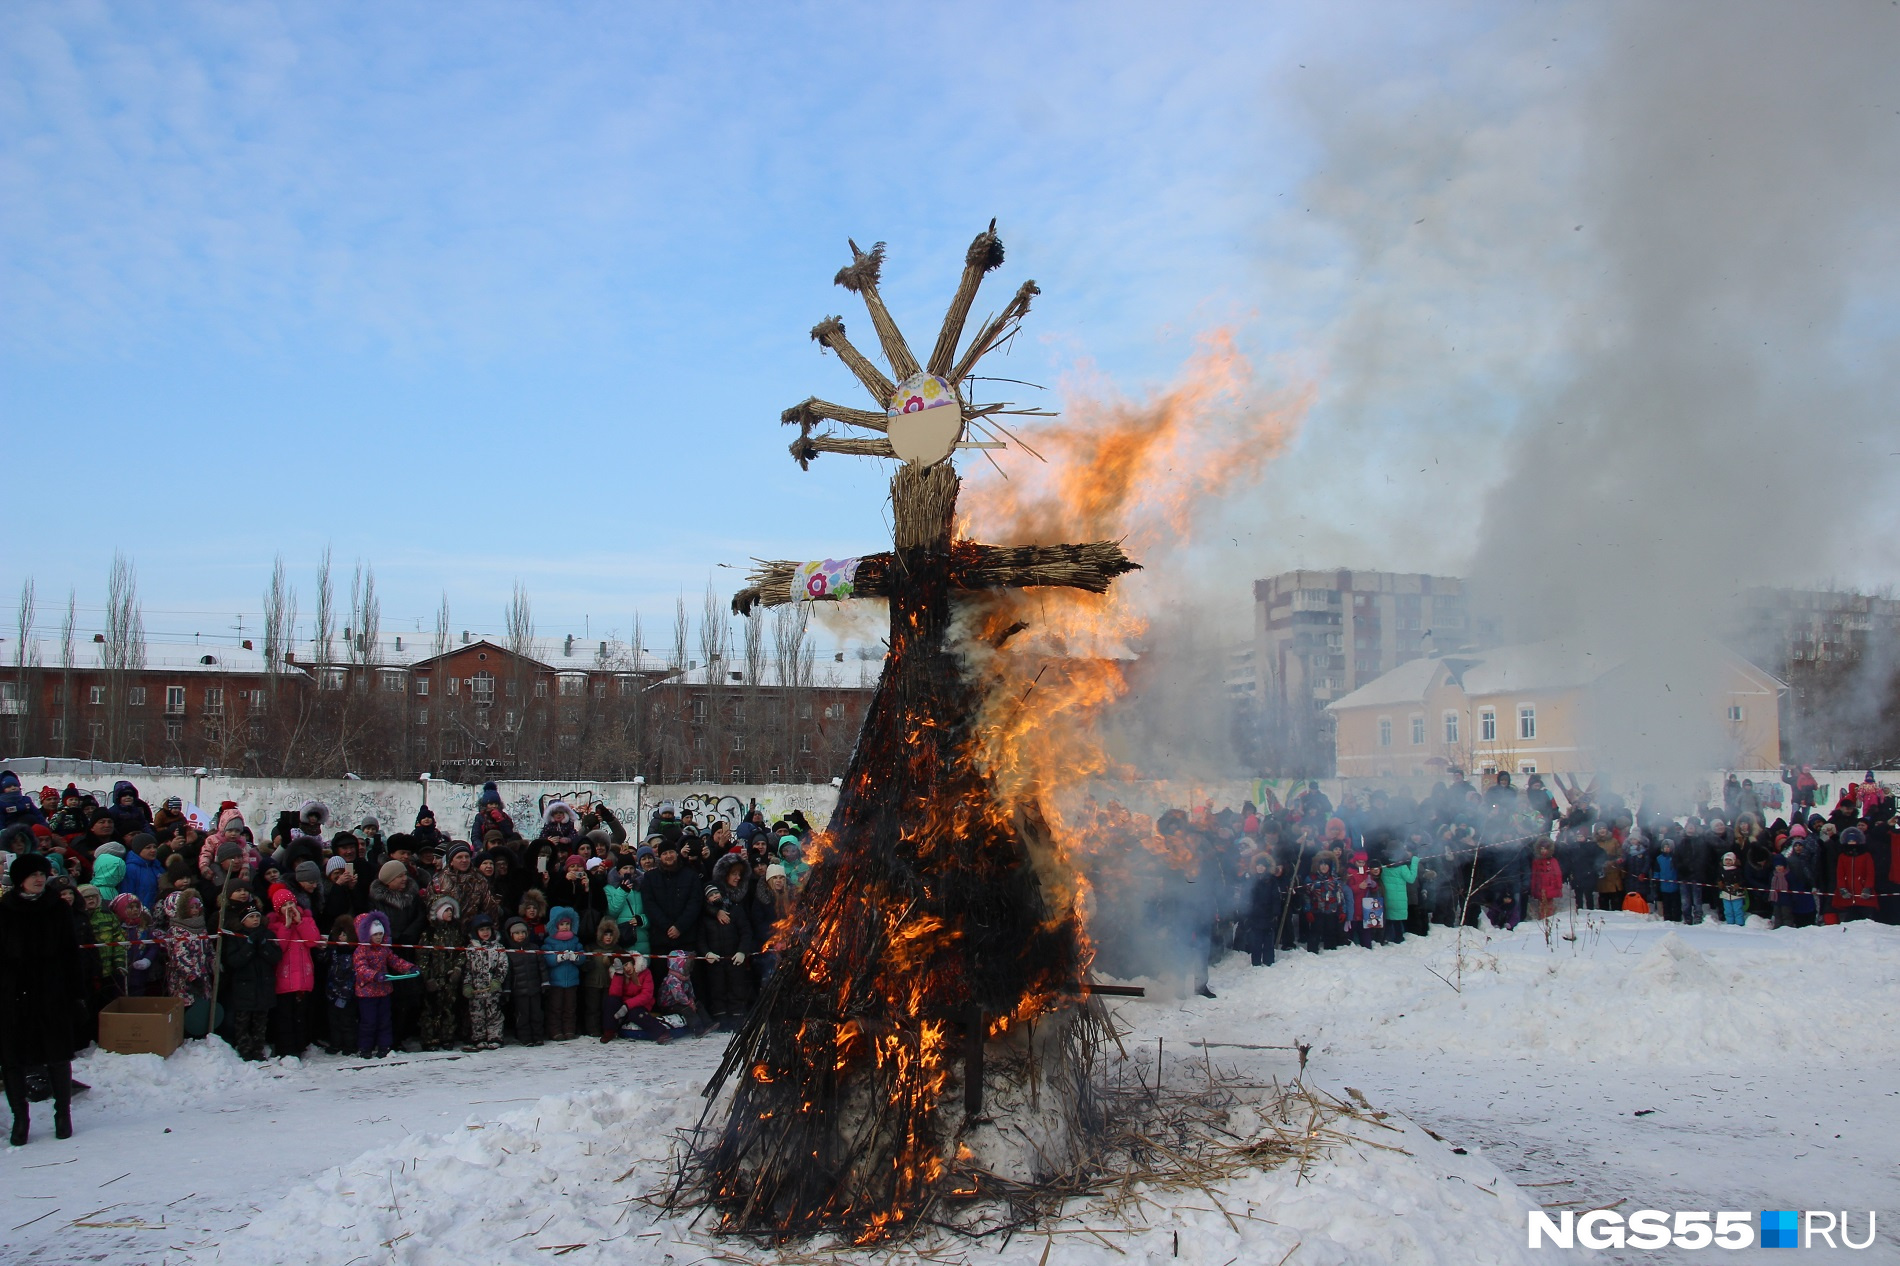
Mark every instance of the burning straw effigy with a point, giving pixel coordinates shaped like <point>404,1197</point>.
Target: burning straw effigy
<point>930,1040</point>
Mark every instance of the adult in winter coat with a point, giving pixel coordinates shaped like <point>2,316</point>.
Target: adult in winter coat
<point>16,807</point>
<point>1260,917</point>
<point>626,908</point>
<point>727,939</point>
<point>1854,873</point>
<point>108,870</point>
<point>39,981</point>
<point>673,894</point>
<point>127,811</point>
<point>249,979</point>
<point>394,896</point>
<point>460,879</point>
<point>143,873</point>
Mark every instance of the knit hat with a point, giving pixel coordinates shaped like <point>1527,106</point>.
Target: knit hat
<point>457,846</point>
<point>600,835</point>
<point>127,908</point>
<point>330,867</point>
<point>87,890</point>
<point>492,838</point>
<point>139,840</point>
<point>115,848</point>
<point>1797,831</point>
<point>306,872</point>
<point>177,868</point>
<point>228,850</point>
<point>369,823</point>
<point>174,803</point>
<point>593,862</point>
<point>1729,859</point>
<point>391,872</point>
<point>712,890</point>
<point>775,871</point>
<point>281,896</point>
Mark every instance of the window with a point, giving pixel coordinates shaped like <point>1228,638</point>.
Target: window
<point>511,688</point>
<point>56,729</point>
<point>331,679</point>
<point>422,716</point>
<point>699,773</point>
<point>540,689</point>
<point>774,777</point>
<point>135,697</point>
<point>508,720</point>
<point>1451,727</point>
<point>214,732</point>
<point>392,680</point>
<point>1488,725</point>
<point>452,744</point>
<point>482,686</point>
<point>174,700</point>
<point>699,709</point>
<point>804,709</point>
<point>834,712</point>
<point>1734,711</point>
<point>453,685</point>
<point>12,698</point>
<point>214,699</point>
<point>1385,731</point>
<point>257,728</point>
<point>629,684</point>
<point>96,730</point>
<point>1527,767</point>
<point>570,716</point>
<point>256,699</point>
<point>1526,721</point>
<point>600,690</point>
<point>1418,731</point>
<point>422,687</point>
<point>569,740</point>
<point>97,696</point>
<point>738,775</point>
<point>738,742</point>
<point>174,731</point>
<point>573,685</point>
<point>804,742</point>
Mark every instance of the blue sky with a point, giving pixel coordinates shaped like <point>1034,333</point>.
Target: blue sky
<point>484,292</point>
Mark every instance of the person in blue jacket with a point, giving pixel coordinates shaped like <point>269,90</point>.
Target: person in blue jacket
<point>16,807</point>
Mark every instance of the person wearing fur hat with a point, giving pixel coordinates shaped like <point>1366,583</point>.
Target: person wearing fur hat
<point>187,951</point>
<point>374,962</point>
<point>144,974</point>
<point>127,811</point>
<point>727,940</point>
<point>558,823</point>
<point>249,982</point>
<point>441,963</point>
<point>484,973</point>
<point>1853,894</point>
<point>40,977</point>
<point>294,928</point>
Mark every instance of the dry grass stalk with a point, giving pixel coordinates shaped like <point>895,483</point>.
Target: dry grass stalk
<point>811,411</point>
<point>830,333</point>
<point>985,254</point>
<point>860,277</point>
<point>996,330</point>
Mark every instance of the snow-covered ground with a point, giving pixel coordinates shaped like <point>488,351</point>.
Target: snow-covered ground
<point>1765,1068</point>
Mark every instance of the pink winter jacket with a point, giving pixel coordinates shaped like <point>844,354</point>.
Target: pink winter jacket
<point>296,972</point>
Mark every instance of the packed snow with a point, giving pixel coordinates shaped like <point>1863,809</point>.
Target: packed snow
<point>1574,1065</point>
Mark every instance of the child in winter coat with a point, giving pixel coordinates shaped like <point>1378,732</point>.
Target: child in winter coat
<point>375,1027</point>
<point>1326,902</point>
<point>296,935</point>
<point>562,951</point>
<point>629,1002</point>
<point>1547,881</point>
<point>143,953</point>
<point>527,977</point>
<point>676,992</point>
<point>483,974</point>
<point>249,978</point>
<point>108,940</point>
<point>596,975</point>
<point>441,964</point>
<point>1666,886</point>
<point>1734,894</point>
<point>1363,886</point>
<point>339,986</point>
<point>1396,880</point>
<point>187,952</point>
<point>1259,922</point>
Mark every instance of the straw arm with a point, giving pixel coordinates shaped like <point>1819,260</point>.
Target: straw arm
<point>829,333</point>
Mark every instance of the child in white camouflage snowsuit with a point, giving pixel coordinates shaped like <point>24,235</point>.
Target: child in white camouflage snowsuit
<point>482,977</point>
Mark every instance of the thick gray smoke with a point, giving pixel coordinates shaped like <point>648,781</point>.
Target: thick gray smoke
<point>1675,268</point>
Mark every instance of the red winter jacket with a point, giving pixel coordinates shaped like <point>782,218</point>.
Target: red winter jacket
<point>296,973</point>
<point>634,988</point>
<point>1547,879</point>
<point>1854,881</point>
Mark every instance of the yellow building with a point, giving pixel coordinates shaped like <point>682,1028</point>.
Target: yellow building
<point>1555,707</point>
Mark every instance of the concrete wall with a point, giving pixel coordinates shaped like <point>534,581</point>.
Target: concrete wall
<point>394,804</point>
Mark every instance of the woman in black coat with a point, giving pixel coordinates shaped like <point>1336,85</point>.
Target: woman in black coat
<point>39,992</point>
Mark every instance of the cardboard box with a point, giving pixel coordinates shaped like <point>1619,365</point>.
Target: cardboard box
<point>142,1026</point>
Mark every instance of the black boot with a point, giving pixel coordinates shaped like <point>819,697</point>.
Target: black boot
<point>61,1074</point>
<point>16,1100</point>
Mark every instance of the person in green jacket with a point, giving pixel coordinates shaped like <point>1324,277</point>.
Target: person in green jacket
<point>1393,878</point>
<point>108,874</point>
<point>625,907</point>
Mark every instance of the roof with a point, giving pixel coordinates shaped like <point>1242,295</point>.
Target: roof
<point>1554,665</point>
<point>558,653</point>
<point>852,675</point>
<point>169,657</point>
<point>1405,684</point>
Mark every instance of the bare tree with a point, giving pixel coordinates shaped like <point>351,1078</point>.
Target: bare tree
<point>123,652</point>
<point>325,631</point>
<point>755,645</point>
<point>519,622</point>
<point>26,655</point>
<point>678,661</point>
<point>280,620</point>
<point>68,630</point>
<point>792,647</point>
<point>366,616</point>
<point>441,644</point>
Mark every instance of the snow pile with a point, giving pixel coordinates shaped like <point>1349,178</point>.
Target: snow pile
<point>197,1072</point>
<point>566,1177</point>
<point>1626,986</point>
